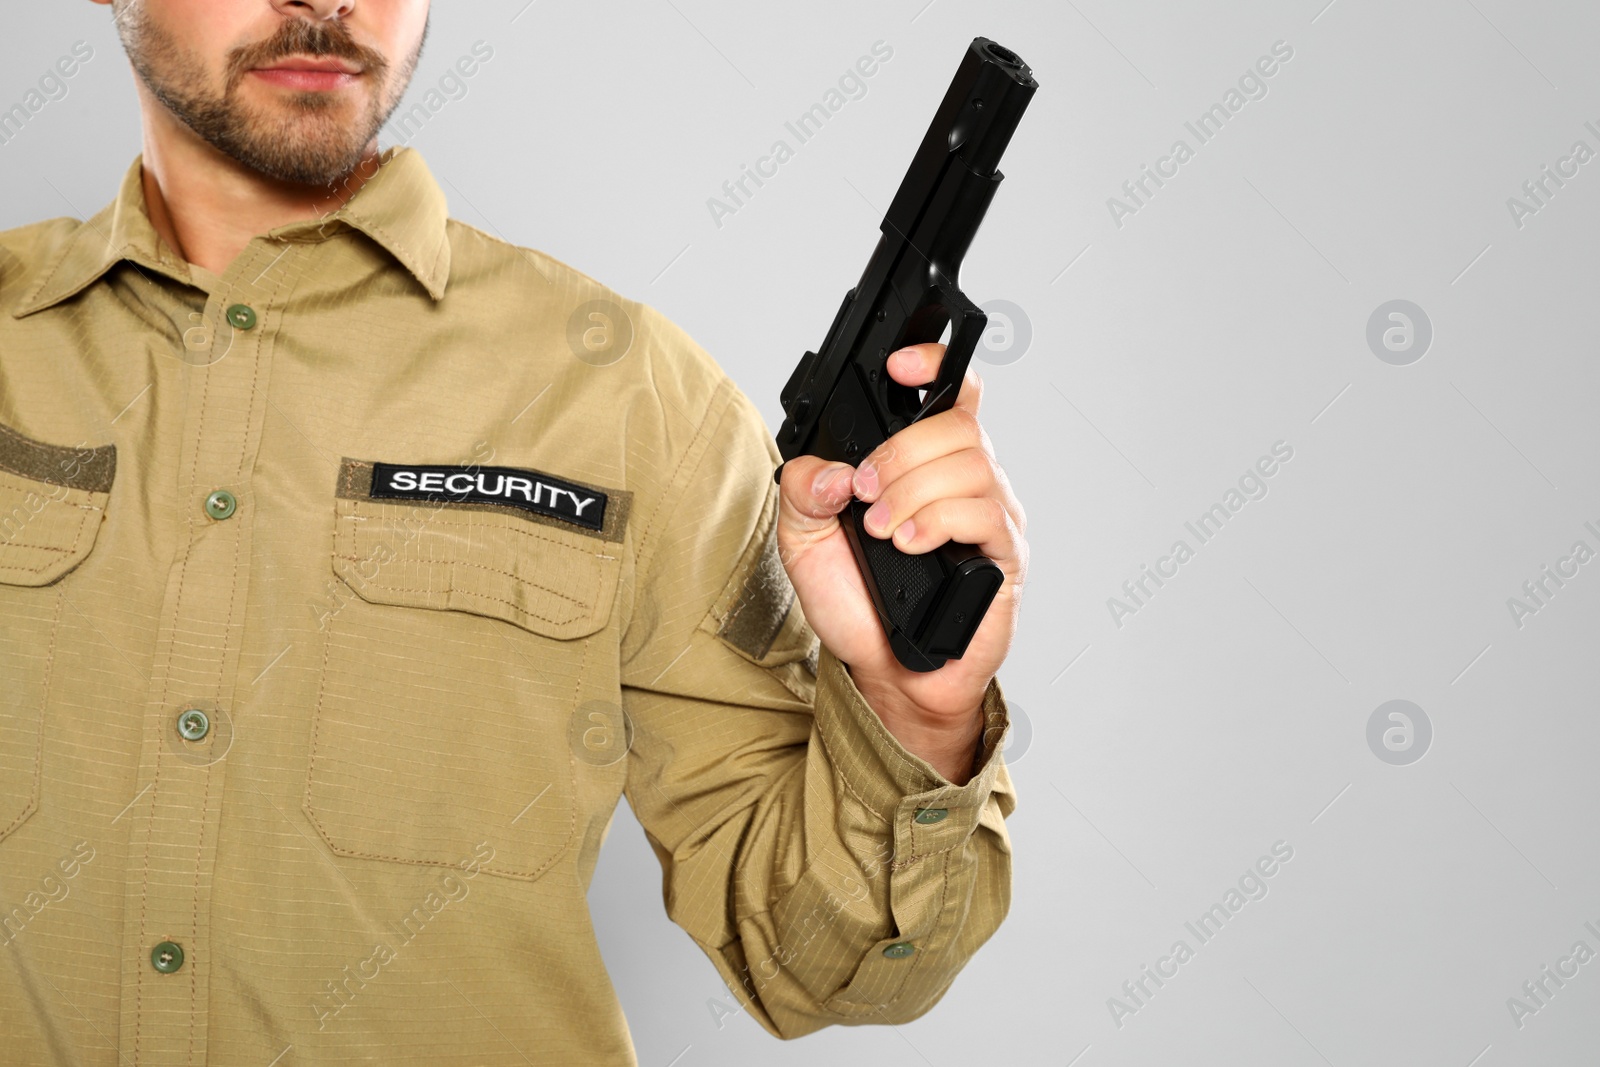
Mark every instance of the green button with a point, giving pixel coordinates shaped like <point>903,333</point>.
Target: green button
<point>899,950</point>
<point>221,504</point>
<point>929,816</point>
<point>193,725</point>
<point>167,957</point>
<point>242,317</point>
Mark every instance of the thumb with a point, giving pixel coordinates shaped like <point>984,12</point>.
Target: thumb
<point>812,491</point>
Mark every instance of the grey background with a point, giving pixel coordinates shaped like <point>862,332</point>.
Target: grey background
<point>1229,313</point>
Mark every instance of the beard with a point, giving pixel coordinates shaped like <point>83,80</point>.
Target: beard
<point>310,138</point>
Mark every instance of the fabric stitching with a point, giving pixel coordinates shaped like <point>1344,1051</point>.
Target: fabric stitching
<point>66,254</point>
<point>356,516</point>
<point>274,303</point>
<point>166,691</point>
<point>482,567</point>
<point>77,545</point>
<point>485,596</point>
<point>922,957</point>
<point>717,407</point>
<point>22,483</point>
<point>33,548</point>
<point>308,807</point>
<point>44,697</point>
<point>239,534</point>
<point>525,517</point>
<point>62,454</point>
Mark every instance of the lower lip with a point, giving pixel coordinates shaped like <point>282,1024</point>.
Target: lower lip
<point>307,80</point>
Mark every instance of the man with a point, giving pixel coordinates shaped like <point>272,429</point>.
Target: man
<point>354,563</point>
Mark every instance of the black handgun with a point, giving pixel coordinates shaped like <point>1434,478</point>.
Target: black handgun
<point>841,403</point>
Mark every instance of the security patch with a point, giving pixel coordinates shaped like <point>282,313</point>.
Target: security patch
<point>532,492</point>
<point>528,490</point>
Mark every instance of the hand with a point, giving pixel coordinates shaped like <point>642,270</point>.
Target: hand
<point>935,481</point>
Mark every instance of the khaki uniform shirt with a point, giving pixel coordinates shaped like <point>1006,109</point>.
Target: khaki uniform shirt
<point>333,502</point>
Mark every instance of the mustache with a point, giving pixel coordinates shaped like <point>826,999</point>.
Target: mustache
<point>301,37</point>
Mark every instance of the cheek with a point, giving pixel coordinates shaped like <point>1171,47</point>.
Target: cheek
<point>205,32</point>
<point>188,43</point>
<point>395,28</point>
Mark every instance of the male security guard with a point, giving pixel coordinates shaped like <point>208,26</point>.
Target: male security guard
<point>354,563</point>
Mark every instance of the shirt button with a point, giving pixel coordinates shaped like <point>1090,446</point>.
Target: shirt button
<point>193,725</point>
<point>899,950</point>
<point>929,816</point>
<point>242,317</point>
<point>167,957</point>
<point>221,504</point>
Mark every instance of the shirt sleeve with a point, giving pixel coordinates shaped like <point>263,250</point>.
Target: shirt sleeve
<point>831,876</point>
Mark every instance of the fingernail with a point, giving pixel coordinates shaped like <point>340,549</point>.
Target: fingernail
<point>877,517</point>
<point>906,532</point>
<point>828,478</point>
<point>866,479</point>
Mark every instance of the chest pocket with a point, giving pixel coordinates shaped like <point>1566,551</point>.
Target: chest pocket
<point>52,502</point>
<point>438,727</point>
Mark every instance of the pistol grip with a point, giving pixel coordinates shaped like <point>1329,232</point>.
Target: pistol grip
<point>930,604</point>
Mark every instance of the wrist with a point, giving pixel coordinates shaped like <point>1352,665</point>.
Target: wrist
<point>947,741</point>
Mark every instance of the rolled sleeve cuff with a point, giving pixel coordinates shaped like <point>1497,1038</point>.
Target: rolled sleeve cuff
<point>893,787</point>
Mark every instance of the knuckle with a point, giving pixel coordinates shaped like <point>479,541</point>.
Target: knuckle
<point>883,457</point>
<point>985,443</point>
<point>976,467</point>
<point>910,495</point>
<point>1019,557</point>
<point>966,421</point>
<point>797,473</point>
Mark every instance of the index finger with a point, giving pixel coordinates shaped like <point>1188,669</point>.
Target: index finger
<point>918,365</point>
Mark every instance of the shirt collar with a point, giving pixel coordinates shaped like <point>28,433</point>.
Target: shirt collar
<point>401,207</point>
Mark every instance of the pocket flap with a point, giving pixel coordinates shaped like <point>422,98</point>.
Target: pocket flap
<point>52,500</point>
<point>483,560</point>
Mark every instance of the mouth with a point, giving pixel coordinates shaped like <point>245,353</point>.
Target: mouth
<point>310,73</point>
